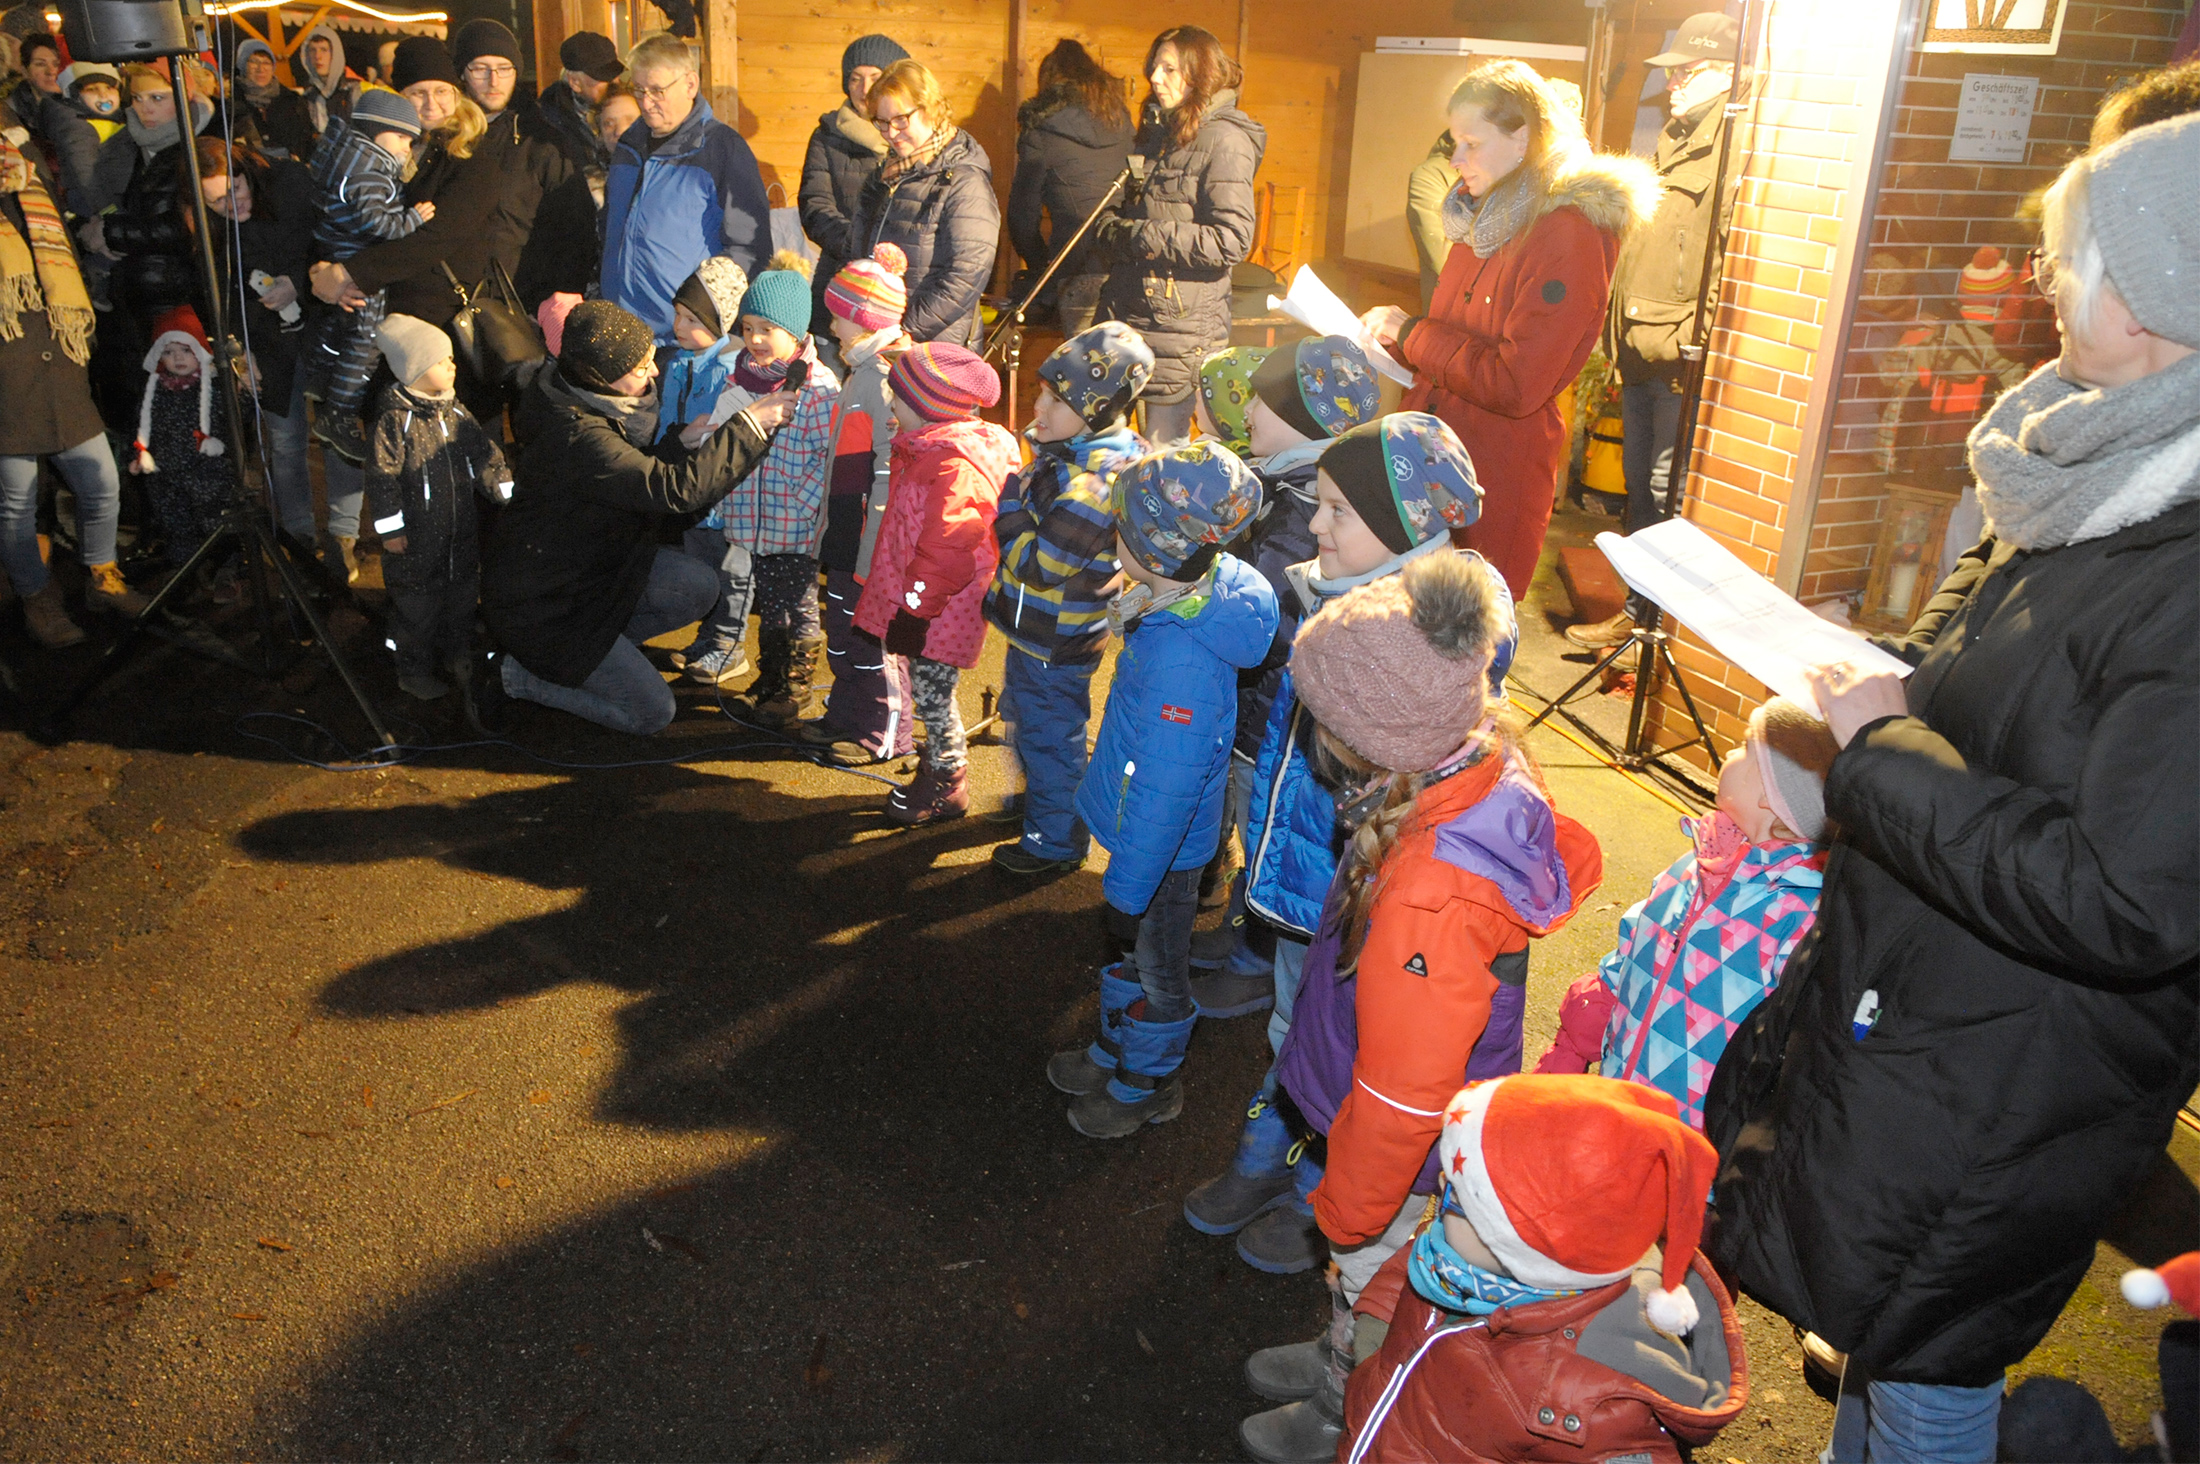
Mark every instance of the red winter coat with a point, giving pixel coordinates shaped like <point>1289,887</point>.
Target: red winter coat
<point>1505,335</point>
<point>936,553</point>
<point>1525,1383</point>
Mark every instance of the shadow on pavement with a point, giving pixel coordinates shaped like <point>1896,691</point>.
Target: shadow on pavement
<point>920,1261</point>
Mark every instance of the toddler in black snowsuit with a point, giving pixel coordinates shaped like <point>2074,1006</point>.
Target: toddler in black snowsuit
<point>426,459</point>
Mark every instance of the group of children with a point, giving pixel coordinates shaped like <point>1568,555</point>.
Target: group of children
<point>1304,656</point>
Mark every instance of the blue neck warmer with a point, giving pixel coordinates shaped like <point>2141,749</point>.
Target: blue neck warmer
<point>1447,1279</point>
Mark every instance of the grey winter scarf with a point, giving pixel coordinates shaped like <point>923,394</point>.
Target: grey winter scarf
<point>635,417</point>
<point>1488,222</point>
<point>151,140</point>
<point>2058,463</point>
<point>259,96</point>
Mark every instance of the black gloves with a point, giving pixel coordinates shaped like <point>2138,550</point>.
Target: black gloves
<point>1113,236</point>
<point>905,634</point>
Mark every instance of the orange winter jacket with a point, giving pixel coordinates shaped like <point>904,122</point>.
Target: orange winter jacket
<point>1423,997</point>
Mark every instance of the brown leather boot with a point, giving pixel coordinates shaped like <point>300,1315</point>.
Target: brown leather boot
<point>933,796</point>
<point>49,620</point>
<point>1604,634</point>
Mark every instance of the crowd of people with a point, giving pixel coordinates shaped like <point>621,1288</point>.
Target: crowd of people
<point>1919,998</point>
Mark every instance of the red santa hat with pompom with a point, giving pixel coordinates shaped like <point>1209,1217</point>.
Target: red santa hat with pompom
<point>1570,1180</point>
<point>179,326</point>
<point>2174,1280</point>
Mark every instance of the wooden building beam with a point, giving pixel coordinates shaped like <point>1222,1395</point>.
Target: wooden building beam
<point>722,60</point>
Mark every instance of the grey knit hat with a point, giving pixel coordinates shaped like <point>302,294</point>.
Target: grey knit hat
<point>377,110</point>
<point>2144,201</point>
<point>1793,750</point>
<point>411,346</point>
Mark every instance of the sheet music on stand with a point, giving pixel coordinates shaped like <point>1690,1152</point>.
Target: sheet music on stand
<point>1315,306</point>
<point>1746,618</point>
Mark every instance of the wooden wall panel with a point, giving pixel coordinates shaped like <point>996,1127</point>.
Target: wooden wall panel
<point>1300,73</point>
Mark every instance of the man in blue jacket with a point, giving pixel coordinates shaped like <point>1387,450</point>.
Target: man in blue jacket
<point>683,186</point>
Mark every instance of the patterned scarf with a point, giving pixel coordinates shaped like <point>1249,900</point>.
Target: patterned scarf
<point>1486,223</point>
<point>1447,1279</point>
<point>42,274</point>
<point>896,166</point>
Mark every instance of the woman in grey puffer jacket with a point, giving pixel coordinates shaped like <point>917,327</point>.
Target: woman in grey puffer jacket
<point>1172,244</point>
<point>933,197</point>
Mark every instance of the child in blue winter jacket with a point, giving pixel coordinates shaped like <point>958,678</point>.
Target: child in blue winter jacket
<point>1301,399</point>
<point>359,182</point>
<point>1050,591</point>
<point>1387,493</point>
<point>1191,618</point>
<point>1707,947</point>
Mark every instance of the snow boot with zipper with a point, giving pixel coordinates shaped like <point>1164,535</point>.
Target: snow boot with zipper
<point>1258,1179</point>
<point>1145,1088</point>
<point>1087,1069</point>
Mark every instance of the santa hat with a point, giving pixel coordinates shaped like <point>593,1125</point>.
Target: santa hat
<point>1569,1180</point>
<point>2175,1280</point>
<point>179,326</point>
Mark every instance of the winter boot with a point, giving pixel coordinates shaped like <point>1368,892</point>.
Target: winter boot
<point>1306,1430</point>
<point>48,619</point>
<point>1258,1179</point>
<point>1287,1374</point>
<point>1085,1070</point>
<point>774,649</point>
<point>933,796</point>
<point>795,698</point>
<point>1284,1240</point>
<point>1230,993</point>
<point>107,591</point>
<point>340,555</point>
<point>1145,1088</point>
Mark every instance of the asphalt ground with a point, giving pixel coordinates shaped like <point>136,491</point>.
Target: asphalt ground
<point>629,1099</point>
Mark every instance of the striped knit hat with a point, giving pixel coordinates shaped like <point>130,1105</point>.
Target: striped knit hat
<point>1981,284</point>
<point>870,292</point>
<point>941,382</point>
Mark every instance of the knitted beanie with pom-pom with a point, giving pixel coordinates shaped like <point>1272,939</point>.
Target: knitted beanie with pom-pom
<point>871,292</point>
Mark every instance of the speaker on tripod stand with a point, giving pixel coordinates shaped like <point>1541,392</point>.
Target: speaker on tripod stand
<point>145,30</point>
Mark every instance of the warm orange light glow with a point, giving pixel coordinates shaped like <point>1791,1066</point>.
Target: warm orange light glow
<point>419,18</point>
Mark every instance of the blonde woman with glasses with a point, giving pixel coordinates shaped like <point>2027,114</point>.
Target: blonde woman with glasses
<point>933,197</point>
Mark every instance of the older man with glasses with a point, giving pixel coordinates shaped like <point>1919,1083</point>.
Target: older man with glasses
<point>683,186</point>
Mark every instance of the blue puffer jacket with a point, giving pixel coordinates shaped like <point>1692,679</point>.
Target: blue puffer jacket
<point>1291,841</point>
<point>698,193</point>
<point>1153,793</point>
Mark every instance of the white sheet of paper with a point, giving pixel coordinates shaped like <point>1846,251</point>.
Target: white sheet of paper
<point>1746,617</point>
<point>1315,306</point>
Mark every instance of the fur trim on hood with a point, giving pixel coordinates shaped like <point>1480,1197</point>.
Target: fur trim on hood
<point>1617,191</point>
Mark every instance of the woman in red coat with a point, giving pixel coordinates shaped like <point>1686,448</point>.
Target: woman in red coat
<point>1517,309</point>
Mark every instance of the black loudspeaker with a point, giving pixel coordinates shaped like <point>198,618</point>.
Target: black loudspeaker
<point>129,30</point>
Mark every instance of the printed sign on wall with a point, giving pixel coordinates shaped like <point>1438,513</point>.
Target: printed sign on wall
<point>2013,27</point>
<point>1993,118</point>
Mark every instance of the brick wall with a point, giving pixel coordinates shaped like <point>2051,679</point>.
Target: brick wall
<point>1808,166</point>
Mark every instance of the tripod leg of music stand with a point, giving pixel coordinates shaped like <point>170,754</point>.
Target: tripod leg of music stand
<point>304,603</point>
<point>112,657</point>
<point>1560,701</point>
<point>1710,748</point>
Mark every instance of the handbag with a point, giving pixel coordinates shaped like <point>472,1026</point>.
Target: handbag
<point>494,335</point>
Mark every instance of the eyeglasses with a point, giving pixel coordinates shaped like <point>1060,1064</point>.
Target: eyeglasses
<point>656,93</point>
<point>492,70</point>
<point>899,122</point>
<point>2044,271</point>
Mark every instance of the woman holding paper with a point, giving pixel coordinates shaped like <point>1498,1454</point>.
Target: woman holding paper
<point>1931,1126</point>
<point>1517,311</point>
<point>1186,221</point>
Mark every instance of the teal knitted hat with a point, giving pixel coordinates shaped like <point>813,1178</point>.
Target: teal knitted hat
<point>782,297</point>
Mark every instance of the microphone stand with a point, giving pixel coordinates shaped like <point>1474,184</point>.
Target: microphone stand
<point>1008,328</point>
<point>243,522</point>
